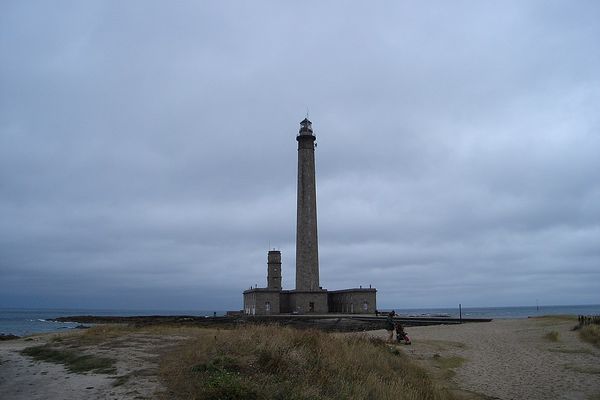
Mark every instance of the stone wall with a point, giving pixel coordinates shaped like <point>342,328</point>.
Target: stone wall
<point>264,301</point>
<point>261,301</point>
<point>284,302</point>
<point>353,301</point>
<point>308,302</point>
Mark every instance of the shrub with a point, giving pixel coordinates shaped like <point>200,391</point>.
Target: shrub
<point>73,361</point>
<point>270,362</point>
<point>591,333</point>
<point>552,336</point>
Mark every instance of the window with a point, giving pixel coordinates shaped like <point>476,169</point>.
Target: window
<point>311,306</point>
<point>267,306</point>
<point>365,306</point>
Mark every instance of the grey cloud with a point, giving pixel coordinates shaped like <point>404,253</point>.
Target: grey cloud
<point>147,152</point>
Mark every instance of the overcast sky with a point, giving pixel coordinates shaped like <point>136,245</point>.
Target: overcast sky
<point>148,154</point>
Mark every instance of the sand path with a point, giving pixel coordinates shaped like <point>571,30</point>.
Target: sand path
<point>512,359</point>
<point>137,355</point>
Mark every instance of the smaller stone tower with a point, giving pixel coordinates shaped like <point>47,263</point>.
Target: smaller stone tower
<point>274,270</point>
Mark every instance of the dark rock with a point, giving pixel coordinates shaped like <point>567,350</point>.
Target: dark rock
<point>345,323</point>
<point>8,337</point>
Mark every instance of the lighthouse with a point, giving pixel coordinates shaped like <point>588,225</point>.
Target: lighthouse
<point>308,297</point>
<point>307,244</point>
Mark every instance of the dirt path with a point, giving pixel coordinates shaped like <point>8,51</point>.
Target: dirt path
<point>511,359</point>
<point>23,378</point>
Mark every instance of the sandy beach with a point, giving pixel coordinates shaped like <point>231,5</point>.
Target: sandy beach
<point>502,359</point>
<point>137,357</point>
<point>512,359</point>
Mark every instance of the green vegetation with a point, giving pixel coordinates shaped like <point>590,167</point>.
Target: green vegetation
<point>270,362</point>
<point>591,333</point>
<point>121,380</point>
<point>100,334</point>
<point>113,334</point>
<point>570,351</point>
<point>441,345</point>
<point>552,336</point>
<point>559,317</point>
<point>550,320</point>
<point>73,361</point>
<point>583,370</point>
<point>447,364</point>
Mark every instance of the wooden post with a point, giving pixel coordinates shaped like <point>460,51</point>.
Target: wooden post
<point>460,312</point>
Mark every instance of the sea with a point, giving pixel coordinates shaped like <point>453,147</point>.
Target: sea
<point>501,312</point>
<point>28,321</point>
<point>23,322</point>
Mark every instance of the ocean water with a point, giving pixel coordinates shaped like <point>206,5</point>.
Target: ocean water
<point>504,312</point>
<point>22,322</point>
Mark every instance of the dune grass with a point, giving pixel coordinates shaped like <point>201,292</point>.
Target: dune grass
<point>552,320</point>
<point>557,317</point>
<point>110,334</point>
<point>570,351</point>
<point>95,335</point>
<point>74,361</point>
<point>552,336</point>
<point>584,369</point>
<point>449,362</point>
<point>441,345</point>
<point>591,334</point>
<point>271,362</point>
<point>446,365</point>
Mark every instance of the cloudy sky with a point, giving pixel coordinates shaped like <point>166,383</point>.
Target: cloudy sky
<point>148,152</point>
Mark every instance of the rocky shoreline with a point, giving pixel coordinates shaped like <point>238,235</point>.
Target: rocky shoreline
<point>337,323</point>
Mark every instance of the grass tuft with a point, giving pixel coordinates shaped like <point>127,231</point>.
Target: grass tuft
<point>570,351</point>
<point>121,380</point>
<point>583,370</point>
<point>450,362</point>
<point>591,334</point>
<point>73,361</point>
<point>551,320</point>
<point>447,364</point>
<point>558,317</point>
<point>441,345</point>
<point>270,362</point>
<point>552,336</point>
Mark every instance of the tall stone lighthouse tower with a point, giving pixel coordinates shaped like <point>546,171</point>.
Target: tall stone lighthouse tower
<point>307,245</point>
<point>308,296</point>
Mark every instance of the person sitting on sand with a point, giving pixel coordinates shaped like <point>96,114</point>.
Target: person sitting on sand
<point>401,335</point>
<point>389,325</point>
